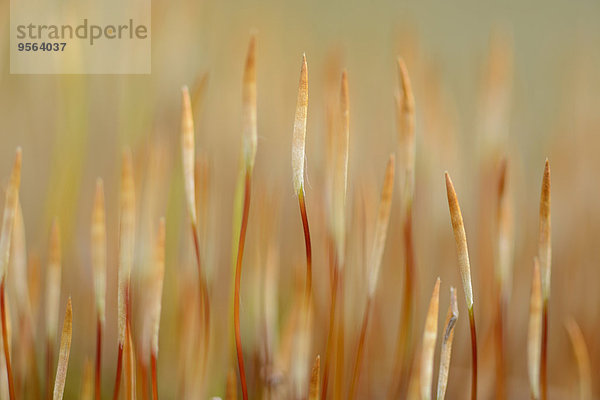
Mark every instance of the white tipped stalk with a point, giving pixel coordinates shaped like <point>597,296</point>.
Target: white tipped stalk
<point>446,351</point>
<point>460,238</point>
<point>63,355</point>
<point>299,137</point>
<point>535,332</point>
<point>249,106</point>
<point>405,114</point>
<point>53,283</point>
<point>381,225</point>
<point>188,152</point>
<point>98,239</point>
<point>429,339</point>
<point>126,240</point>
<point>10,209</point>
<point>545,245</point>
<point>157,285</point>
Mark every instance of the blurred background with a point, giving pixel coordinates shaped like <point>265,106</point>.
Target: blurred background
<point>507,79</point>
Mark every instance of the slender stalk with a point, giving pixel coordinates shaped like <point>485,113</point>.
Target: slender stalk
<point>429,339</point>
<point>503,274</point>
<point>339,186</point>
<point>53,281</point>
<point>359,351</point>
<point>534,335</point>
<point>545,259</point>
<point>340,351</point>
<point>381,226</point>
<point>330,330</point>
<point>97,383</point>
<point>462,251</point>
<point>298,161</point>
<point>129,366</point>
<point>544,353</point>
<point>249,142</point>
<point>154,377</point>
<point>405,115</point>
<point>119,372</point>
<point>126,252</point>
<point>188,160</point>
<point>63,355</point>
<point>238,275</point>
<point>9,372</point>
<point>49,368</point>
<point>473,353</point>
<point>313,393</point>
<point>98,250</point>
<point>446,350</point>
<point>582,357</point>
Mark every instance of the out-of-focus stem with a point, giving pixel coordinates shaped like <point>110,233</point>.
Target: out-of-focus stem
<point>119,371</point>
<point>11,387</point>
<point>98,358</point>
<point>544,353</point>
<point>154,376</point>
<point>359,351</point>
<point>205,305</point>
<point>340,347</point>
<point>330,332</point>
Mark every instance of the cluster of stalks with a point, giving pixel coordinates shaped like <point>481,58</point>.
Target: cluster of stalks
<point>291,368</point>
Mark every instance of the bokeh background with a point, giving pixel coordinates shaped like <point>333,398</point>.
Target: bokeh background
<point>491,79</point>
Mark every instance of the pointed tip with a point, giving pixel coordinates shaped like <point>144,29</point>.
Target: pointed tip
<point>436,287</point>
<point>449,184</point>
<point>19,153</point>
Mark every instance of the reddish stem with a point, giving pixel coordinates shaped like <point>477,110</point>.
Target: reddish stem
<point>236,294</point>
<point>98,358</point>
<point>154,376</point>
<point>306,243</point>
<point>119,371</point>
<point>11,388</point>
<point>473,353</point>
<point>203,289</point>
